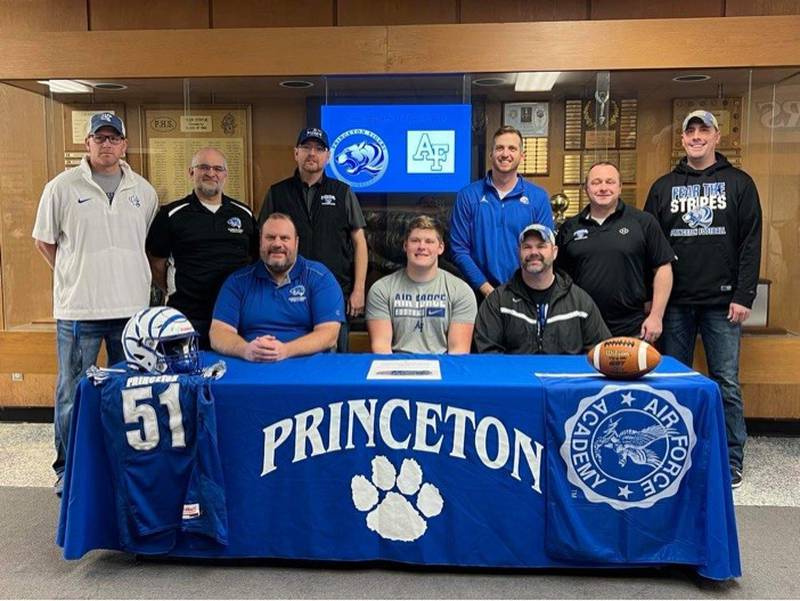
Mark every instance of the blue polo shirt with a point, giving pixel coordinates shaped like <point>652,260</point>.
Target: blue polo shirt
<point>255,305</point>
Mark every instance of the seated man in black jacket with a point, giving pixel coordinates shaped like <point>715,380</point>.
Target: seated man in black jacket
<point>538,311</point>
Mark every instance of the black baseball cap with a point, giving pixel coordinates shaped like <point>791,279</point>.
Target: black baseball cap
<point>313,133</point>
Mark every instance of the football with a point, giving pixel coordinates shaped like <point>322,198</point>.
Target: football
<point>624,358</point>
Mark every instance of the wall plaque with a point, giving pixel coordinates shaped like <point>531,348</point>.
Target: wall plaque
<point>172,136</point>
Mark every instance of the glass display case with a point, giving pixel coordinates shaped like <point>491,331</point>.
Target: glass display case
<point>569,121</point>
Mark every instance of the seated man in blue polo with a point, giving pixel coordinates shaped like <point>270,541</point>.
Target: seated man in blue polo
<point>281,306</point>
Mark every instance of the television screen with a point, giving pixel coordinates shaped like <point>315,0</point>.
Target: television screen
<point>400,147</point>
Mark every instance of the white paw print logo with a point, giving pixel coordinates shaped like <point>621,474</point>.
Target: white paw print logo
<point>398,516</point>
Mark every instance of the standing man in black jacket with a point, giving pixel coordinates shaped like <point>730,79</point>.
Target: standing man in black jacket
<point>538,311</point>
<point>711,215</point>
<point>329,220</point>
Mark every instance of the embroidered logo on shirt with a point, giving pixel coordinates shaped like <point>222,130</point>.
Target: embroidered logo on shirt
<point>484,199</point>
<point>82,200</point>
<point>580,234</point>
<point>524,200</point>
<point>297,294</point>
<point>624,231</point>
<point>328,200</point>
<point>135,201</point>
<point>235,225</point>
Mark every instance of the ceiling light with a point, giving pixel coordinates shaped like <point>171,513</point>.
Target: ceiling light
<point>296,84</point>
<point>66,86</point>
<point>536,81</point>
<point>108,86</point>
<point>691,77</point>
<point>488,82</point>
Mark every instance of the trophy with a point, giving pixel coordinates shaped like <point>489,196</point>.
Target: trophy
<point>559,203</point>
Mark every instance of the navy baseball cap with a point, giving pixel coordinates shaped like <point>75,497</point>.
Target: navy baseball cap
<point>99,120</point>
<point>313,133</point>
<point>706,117</point>
<point>544,232</point>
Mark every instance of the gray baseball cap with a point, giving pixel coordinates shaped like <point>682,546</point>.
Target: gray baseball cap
<point>707,117</point>
<point>544,232</point>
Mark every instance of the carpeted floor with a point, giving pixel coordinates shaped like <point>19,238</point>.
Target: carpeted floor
<point>31,566</point>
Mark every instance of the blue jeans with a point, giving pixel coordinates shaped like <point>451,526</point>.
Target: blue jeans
<point>78,344</point>
<point>721,341</point>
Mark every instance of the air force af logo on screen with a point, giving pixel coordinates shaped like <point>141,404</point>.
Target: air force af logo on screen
<point>431,151</point>
<point>629,446</point>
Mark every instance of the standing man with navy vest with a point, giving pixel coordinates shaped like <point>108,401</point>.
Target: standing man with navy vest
<point>328,218</point>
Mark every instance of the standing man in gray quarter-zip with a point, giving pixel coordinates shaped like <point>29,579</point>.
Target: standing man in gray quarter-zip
<point>91,228</point>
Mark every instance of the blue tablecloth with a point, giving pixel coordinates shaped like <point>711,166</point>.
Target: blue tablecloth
<point>507,461</point>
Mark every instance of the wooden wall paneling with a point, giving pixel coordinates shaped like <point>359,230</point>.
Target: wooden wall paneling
<point>35,390</point>
<point>391,12</point>
<point>771,401</point>
<point>257,13</point>
<point>764,359</point>
<point>573,45</point>
<point>653,143</point>
<point>134,128</point>
<point>511,11</point>
<point>26,278</point>
<point>107,15</point>
<point>275,127</point>
<point>28,352</point>
<point>771,157</point>
<point>737,8</point>
<point>42,15</point>
<point>768,374</point>
<point>196,53</point>
<point>670,9</point>
<point>559,45</point>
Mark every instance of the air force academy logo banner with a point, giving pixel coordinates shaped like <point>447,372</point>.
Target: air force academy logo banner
<point>628,461</point>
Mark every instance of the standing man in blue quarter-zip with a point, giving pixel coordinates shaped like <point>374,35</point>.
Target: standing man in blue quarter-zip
<point>490,213</point>
<point>91,228</point>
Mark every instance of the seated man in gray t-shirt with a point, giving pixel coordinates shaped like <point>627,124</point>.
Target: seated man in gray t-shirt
<point>421,308</point>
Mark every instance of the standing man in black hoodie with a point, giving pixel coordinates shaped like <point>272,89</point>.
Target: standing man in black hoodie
<point>711,215</point>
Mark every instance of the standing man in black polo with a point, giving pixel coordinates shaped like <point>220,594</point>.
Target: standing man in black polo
<point>328,218</point>
<point>619,255</point>
<point>206,236</point>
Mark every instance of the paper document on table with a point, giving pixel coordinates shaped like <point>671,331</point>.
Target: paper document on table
<point>404,369</point>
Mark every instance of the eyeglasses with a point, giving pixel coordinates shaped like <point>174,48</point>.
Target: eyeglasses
<point>102,139</point>
<point>214,168</point>
<point>312,147</point>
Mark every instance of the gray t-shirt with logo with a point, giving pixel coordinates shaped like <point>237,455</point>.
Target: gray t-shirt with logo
<point>108,182</point>
<point>421,312</point>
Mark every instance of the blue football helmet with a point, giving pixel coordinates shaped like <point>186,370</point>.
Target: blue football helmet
<point>161,340</point>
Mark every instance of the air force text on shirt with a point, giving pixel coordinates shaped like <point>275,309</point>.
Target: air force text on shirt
<point>320,430</point>
<point>420,305</point>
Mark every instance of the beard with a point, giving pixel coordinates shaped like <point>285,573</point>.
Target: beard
<point>278,265</point>
<point>209,188</point>
<point>529,266</point>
